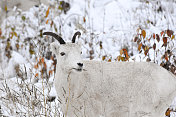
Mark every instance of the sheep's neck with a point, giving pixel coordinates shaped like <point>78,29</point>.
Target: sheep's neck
<point>62,75</point>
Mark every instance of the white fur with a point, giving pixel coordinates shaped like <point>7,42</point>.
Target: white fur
<point>111,89</point>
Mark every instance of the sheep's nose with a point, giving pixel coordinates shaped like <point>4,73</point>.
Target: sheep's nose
<point>80,64</point>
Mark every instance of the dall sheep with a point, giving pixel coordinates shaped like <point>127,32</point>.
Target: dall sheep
<point>109,89</point>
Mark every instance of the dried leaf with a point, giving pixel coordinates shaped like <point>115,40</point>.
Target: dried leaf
<point>168,112</point>
<point>166,57</point>
<point>84,19</point>
<point>103,58</point>
<point>101,46</point>
<point>154,46</point>
<point>31,51</point>
<point>39,62</point>
<point>153,35</point>
<point>6,8</point>
<point>17,46</point>
<point>143,33</point>
<point>121,51</point>
<point>47,12</point>
<point>42,60</point>
<point>127,58</point>
<point>60,5</point>
<point>162,33</point>
<point>119,58</point>
<point>47,21</point>
<point>54,62</point>
<point>138,41</point>
<point>135,39</point>
<point>122,58</point>
<point>52,58</point>
<point>23,18</point>
<point>45,66</point>
<point>139,46</point>
<point>22,46</point>
<point>146,52</point>
<point>149,38</point>
<point>36,66</point>
<point>15,34</point>
<point>148,21</point>
<point>55,28</point>
<point>50,72</point>
<point>36,75</point>
<point>51,23</point>
<point>13,29</point>
<point>169,32</point>
<point>8,45</point>
<point>165,40</point>
<point>173,36</point>
<point>91,52</point>
<point>126,54</point>
<point>109,60</point>
<point>157,37</point>
<point>41,33</point>
<point>146,48</point>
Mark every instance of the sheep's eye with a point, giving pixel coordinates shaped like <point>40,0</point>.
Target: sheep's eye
<point>62,53</point>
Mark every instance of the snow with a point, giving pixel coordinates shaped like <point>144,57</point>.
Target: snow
<point>112,22</point>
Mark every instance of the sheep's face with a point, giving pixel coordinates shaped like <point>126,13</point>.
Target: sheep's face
<point>68,56</point>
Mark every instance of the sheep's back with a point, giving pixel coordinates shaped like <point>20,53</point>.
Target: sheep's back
<point>130,85</point>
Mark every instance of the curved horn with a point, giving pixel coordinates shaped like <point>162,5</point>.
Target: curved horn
<point>57,37</point>
<point>74,37</point>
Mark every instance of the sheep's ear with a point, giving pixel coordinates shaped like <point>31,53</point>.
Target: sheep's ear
<point>55,47</point>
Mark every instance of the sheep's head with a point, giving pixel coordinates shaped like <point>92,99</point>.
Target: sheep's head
<point>68,54</point>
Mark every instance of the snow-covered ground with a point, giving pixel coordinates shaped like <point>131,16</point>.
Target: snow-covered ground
<point>107,27</point>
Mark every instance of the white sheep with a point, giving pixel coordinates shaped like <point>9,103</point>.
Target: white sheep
<point>109,89</point>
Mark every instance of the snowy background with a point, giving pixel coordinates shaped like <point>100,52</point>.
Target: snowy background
<point>112,30</point>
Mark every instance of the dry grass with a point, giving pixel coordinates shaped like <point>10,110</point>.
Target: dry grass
<point>25,98</point>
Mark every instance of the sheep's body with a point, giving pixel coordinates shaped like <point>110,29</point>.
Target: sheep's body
<point>116,89</point>
<point>109,89</point>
